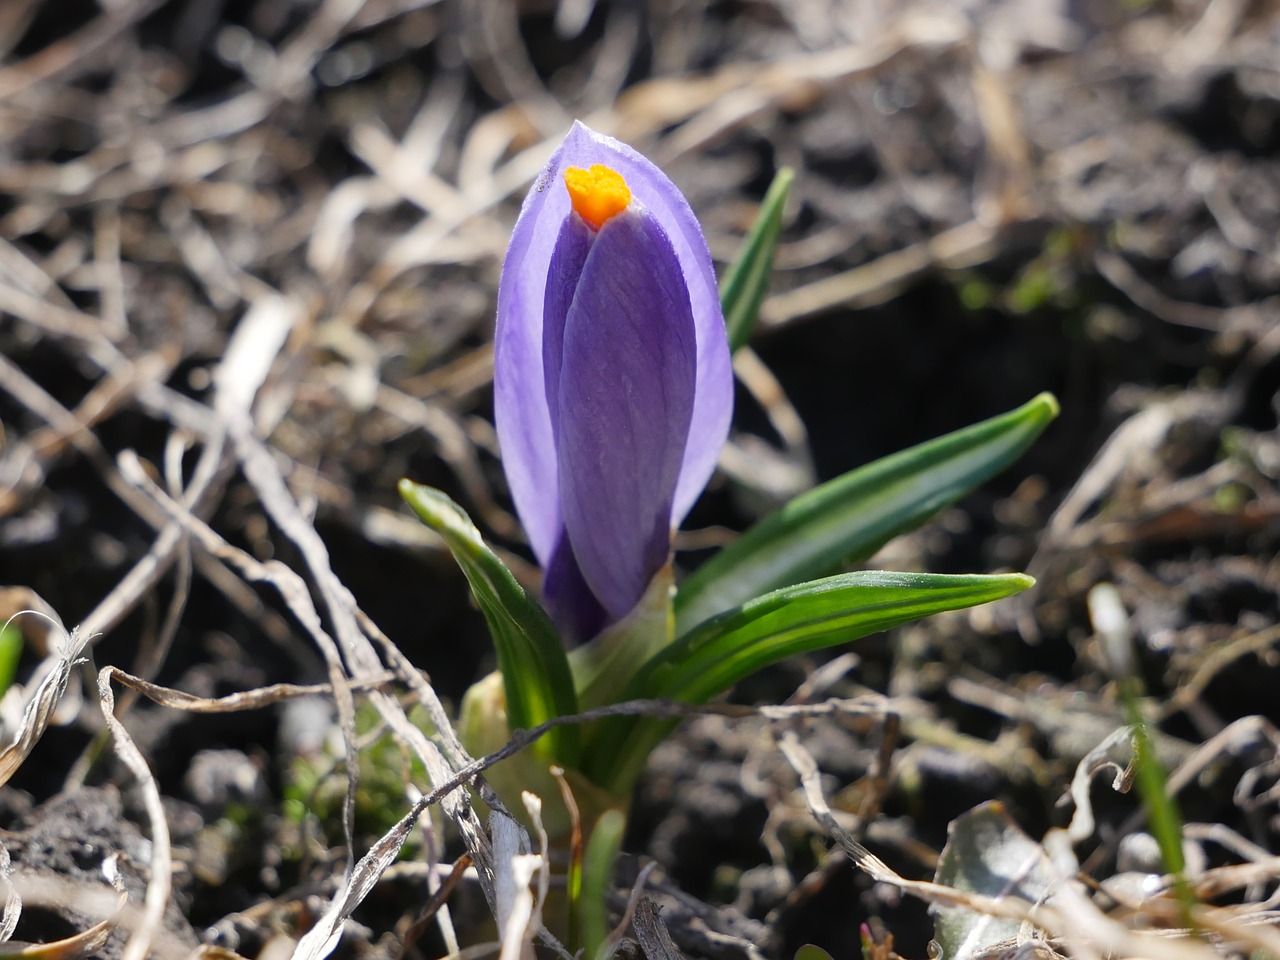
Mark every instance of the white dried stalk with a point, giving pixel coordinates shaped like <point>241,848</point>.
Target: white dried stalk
<point>514,870</point>
<point>533,806</point>
<point>254,699</point>
<point>360,657</point>
<point>160,882</point>
<point>1072,919</point>
<point>39,709</point>
<point>321,939</point>
<point>60,893</point>
<point>1114,753</point>
<point>12,901</point>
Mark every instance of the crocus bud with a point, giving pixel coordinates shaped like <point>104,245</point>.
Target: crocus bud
<point>612,378</point>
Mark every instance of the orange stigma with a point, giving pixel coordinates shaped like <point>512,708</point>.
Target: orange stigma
<point>597,194</point>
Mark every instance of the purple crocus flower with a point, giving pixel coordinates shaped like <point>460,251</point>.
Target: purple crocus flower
<point>613,385</point>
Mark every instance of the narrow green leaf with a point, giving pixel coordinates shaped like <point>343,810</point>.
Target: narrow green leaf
<point>11,644</point>
<point>713,657</point>
<point>848,519</point>
<point>1112,623</point>
<point>743,288</point>
<point>1161,806</point>
<point>727,648</point>
<point>531,658</point>
<point>597,878</point>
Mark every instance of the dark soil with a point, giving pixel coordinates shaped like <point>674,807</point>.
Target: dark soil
<point>992,199</point>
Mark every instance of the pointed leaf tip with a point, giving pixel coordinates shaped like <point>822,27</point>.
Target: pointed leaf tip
<point>535,670</point>
<point>747,280</point>
<point>735,644</point>
<point>848,519</point>
<point>1049,402</point>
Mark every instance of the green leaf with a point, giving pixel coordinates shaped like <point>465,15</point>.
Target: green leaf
<point>11,644</point>
<point>848,519</point>
<point>597,878</point>
<point>809,616</point>
<point>531,658</point>
<point>713,657</point>
<point>603,668</point>
<point>743,288</point>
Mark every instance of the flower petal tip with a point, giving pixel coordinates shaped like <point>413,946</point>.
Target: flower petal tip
<point>612,377</point>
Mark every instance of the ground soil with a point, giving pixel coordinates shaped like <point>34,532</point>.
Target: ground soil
<point>992,199</point>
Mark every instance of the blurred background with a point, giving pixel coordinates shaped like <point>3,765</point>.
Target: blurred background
<point>991,199</point>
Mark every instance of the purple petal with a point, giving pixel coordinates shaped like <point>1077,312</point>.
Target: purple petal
<point>627,387</point>
<point>521,406</point>
<point>563,274</point>
<point>569,599</point>
<point>713,404</point>
<point>521,411</point>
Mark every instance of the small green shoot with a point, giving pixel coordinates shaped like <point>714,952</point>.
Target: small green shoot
<point>315,784</point>
<point>597,875</point>
<point>1111,621</point>
<point>11,646</point>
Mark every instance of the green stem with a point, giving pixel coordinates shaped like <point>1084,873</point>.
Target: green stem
<point>1162,808</point>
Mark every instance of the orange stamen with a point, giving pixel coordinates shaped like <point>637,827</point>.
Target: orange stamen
<point>597,194</point>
